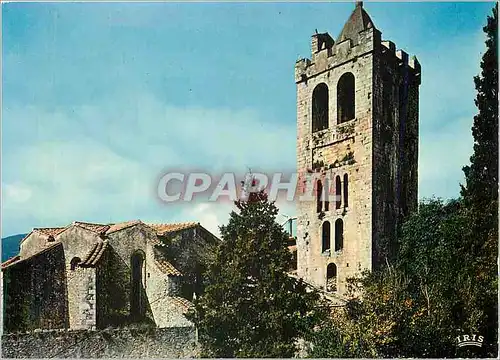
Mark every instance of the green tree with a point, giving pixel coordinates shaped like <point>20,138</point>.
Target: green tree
<point>482,174</point>
<point>480,192</point>
<point>251,306</point>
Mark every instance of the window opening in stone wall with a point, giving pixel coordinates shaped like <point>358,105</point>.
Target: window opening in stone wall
<point>320,107</point>
<point>331,277</point>
<point>326,203</point>
<point>346,189</point>
<point>136,291</point>
<point>325,231</point>
<point>319,191</point>
<point>339,235</point>
<point>345,98</point>
<point>338,192</point>
<point>74,263</point>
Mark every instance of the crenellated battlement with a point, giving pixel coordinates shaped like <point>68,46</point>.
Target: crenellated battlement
<point>401,55</point>
<point>327,54</point>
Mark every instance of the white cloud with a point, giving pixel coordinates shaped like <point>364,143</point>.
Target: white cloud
<point>209,215</point>
<point>16,193</point>
<point>212,215</point>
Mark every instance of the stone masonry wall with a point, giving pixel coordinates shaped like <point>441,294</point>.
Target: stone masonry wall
<point>386,139</point>
<point>35,292</point>
<point>110,343</point>
<point>160,307</point>
<point>395,148</point>
<point>125,243</point>
<point>77,242</point>
<point>113,290</point>
<point>32,244</point>
<point>189,251</point>
<point>82,298</point>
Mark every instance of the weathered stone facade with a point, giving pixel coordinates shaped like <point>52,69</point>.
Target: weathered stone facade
<point>357,133</point>
<point>88,276</point>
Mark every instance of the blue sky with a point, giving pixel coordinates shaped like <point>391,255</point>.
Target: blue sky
<point>100,99</point>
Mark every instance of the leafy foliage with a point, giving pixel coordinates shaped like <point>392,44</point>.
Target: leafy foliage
<point>251,306</point>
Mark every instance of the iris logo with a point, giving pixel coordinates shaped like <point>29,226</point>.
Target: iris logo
<point>470,340</point>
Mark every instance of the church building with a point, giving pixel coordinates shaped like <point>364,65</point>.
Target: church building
<point>92,276</point>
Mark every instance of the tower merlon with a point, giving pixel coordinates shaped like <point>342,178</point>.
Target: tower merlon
<point>321,42</point>
<point>389,45</point>
<point>403,56</point>
<point>414,64</point>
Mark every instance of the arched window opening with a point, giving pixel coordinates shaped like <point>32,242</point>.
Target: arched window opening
<point>319,192</point>
<point>136,291</point>
<point>326,236</point>
<point>338,193</point>
<point>320,107</point>
<point>74,263</point>
<point>331,277</point>
<point>339,235</point>
<point>346,188</point>
<point>345,98</point>
<point>326,203</point>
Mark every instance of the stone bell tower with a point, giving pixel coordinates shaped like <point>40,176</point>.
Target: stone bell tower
<point>357,135</point>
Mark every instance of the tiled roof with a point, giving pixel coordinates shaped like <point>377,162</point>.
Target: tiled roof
<point>184,303</point>
<point>97,228</point>
<point>155,241</point>
<point>162,229</point>
<point>94,254</point>
<point>122,225</point>
<point>50,231</point>
<point>10,261</point>
<point>166,267</point>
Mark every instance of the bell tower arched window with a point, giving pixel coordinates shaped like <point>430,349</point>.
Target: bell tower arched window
<point>346,188</point>
<point>75,262</point>
<point>325,233</point>
<point>345,98</point>
<point>338,192</point>
<point>137,303</point>
<point>326,202</point>
<point>339,235</point>
<point>319,193</point>
<point>320,107</point>
<point>331,277</point>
